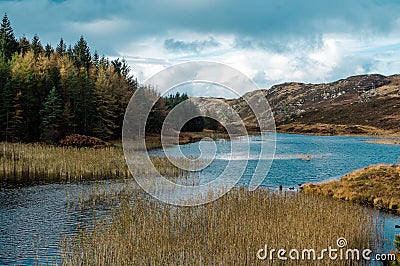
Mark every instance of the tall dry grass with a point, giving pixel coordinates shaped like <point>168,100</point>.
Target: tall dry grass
<point>376,185</point>
<point>44,163</point>
<point>228,231</point>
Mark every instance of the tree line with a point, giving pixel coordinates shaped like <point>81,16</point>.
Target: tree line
<point>47,92</point>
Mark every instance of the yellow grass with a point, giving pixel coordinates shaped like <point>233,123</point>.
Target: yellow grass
<point>45,163</point>
<point>228,231</point>
<point>387,141</point>
<point>334,129</point>
<point>377,186</point>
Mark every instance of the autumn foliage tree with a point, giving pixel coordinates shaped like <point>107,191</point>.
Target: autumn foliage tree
<point>47,94</point>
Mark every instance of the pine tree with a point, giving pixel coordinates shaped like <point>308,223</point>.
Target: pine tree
<point>8,43</point>
<point>82,55</point>
<point>7,108</point>
<point>61,48</point>
<point>24,45</point>
<point>48,50</point>
<point>72,91</point>
<point>36,46</point>
<point>70,52</point>
<point>85,100</point>
<point>68,117</point>
<point>52,116</point>
<point>5,97</point>
<point>117,66</point>
<point>16,129</point>
<point>27,77</point>
<point>106,107</point>
<point>96,59</point>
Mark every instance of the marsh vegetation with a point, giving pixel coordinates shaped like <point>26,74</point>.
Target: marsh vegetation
<point>228,231</point>
<point>377,186</point>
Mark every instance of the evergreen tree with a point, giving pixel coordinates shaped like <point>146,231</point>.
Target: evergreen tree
<point>82,55</point>
<point>24,45</point>
<point>117,65</point>
<point>72,91</point>
<point>104,61</point>
<point>52,116</point>
<point>65,91</point>
<point>36,46</point>
<point>106,107</point>
<point>6,110</point>
<point>68,117</point>
<point>86,102</point>
<point>61,48</point>
<point>8,43</point>
<point>48,50</point>
<point>6,97</point>
<point>195,124</point>
<point>96,59</point>
<point>16,129</point>
<point>70,52</point>
<point>173,100</point>
<point>27,77</point>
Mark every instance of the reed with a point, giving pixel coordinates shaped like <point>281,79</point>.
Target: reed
<point>21,163</point>
<point>228,231</point>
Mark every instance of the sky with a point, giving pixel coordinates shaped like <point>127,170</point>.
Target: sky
<point>310,41</point>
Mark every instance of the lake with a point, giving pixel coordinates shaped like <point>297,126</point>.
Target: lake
<point>34,219</point>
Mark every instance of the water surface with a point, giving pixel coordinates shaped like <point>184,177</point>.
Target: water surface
<point>34,219</point>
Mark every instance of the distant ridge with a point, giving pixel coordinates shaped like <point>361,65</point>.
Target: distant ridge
<point>363,104</point>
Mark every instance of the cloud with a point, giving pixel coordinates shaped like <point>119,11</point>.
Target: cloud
<point>196,46</point>
<point>270,41</point>
<point>272,22</point>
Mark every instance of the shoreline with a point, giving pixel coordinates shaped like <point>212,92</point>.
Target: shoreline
<point>320,129</point>
<point>375,186</point>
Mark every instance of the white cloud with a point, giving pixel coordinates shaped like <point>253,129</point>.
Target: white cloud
<point>100,27</point>
<point>337,56</point>
<point>270,41</point>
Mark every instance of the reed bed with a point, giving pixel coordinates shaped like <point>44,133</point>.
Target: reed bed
<point>20,163</point>
<point>228,231</point>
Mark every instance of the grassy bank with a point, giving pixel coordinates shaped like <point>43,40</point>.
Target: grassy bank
<point>387,141</point>
<point>377,186</point>
<point>228,231</point>
<point>334,129</point>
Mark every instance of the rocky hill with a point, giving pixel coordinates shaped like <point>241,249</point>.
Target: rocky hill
<point>364,104</point>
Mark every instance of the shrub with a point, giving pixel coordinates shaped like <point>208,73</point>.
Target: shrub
<point>77,140</point>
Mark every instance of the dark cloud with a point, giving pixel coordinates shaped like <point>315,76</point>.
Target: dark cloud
<point>197,46</point>
<point>291,29</point>
<point>282,45</point>
<point>271,23</point>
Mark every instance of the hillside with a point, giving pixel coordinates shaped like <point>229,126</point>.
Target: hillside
<point>364,104</point>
